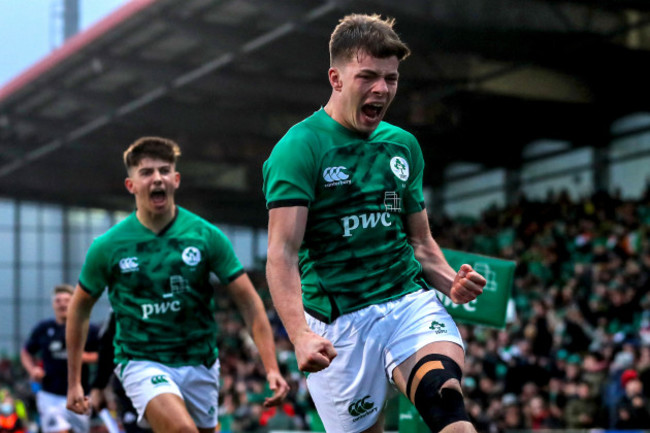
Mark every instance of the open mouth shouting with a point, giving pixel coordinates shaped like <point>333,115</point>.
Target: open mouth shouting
<point>372,112</point>
<point>158,197</point>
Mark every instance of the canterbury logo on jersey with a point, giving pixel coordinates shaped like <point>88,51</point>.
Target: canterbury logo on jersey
<point>129,264</point>
<point>366,220</point>
<point>335,176</point>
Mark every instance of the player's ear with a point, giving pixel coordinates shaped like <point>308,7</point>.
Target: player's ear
<point>128,183</point>
<point>334,75</point>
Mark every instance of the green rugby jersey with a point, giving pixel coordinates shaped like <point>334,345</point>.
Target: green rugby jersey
<point>359,190</point>
<point>158,286</point>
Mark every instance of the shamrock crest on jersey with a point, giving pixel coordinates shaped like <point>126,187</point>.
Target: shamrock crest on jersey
<point>400,167</point>
<point>191,256</point>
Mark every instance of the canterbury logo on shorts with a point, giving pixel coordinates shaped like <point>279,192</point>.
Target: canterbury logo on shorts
<point>158,380</point>
<point>362,407</point>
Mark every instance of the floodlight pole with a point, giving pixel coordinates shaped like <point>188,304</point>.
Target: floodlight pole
<point>70,18</point>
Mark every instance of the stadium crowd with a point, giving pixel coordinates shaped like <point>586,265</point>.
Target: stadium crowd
<point>575,354</point>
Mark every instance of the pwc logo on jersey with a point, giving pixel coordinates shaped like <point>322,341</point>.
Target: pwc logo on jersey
<point>159,308</point>
<point>399,167</point>
<point>129,264</point>
<point>365,221</point>
<point>336,176</point>
<point>191,256</point>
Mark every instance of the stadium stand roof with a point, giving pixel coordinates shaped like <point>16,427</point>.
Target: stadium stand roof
<point>227,78</point>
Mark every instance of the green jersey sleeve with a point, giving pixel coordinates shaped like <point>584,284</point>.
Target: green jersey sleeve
<point>223,261</point>
<point>94,273</point>
<point>290,172</point>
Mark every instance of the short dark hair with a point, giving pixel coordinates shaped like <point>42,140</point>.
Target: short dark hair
<point>62,288</point>
<point>151,147</point>
<point>369,33</point>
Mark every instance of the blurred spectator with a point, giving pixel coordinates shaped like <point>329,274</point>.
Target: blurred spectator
<point>542,339</point>
<point>644,369</point>
<point>10,420</point>
<point>538,416</point>
<point>633,411</point>
<point>594,373</point>
<point>481,421</point>
<point>581,410</point>
<point>512,416</point>
<point>18,405</point>
<point>279,418</point>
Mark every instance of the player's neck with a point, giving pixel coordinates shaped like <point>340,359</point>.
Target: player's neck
<point>156,222</point>
<point>333,112</point>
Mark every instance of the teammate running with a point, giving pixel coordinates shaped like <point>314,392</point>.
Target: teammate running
<point>157,265</point>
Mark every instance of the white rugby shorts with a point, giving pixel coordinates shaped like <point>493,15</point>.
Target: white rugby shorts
<point>197,385</point>
<point>350,394</point>
<point>54,416</point>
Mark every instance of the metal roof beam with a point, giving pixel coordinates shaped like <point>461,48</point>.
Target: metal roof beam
<point>283,10</point>
<point>268,87</point>
<point>93,100</point>
<point>220,37</point>
<point>151,70</point>
<point>40,125</point>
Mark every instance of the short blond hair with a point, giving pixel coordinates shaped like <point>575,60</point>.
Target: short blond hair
<point>151,147</point>
<point>63,288</point>
<point>367,33</point>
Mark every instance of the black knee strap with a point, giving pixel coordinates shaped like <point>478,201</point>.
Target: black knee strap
<point>438,406</point>
<point>445,367</point>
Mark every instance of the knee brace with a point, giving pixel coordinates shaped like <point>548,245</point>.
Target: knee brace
<point>438,406</point>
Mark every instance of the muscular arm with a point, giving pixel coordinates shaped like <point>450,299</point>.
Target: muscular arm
<point>462,286</point>
<point>252,309</point>
<point>286,231</point>
<point>76,333</point>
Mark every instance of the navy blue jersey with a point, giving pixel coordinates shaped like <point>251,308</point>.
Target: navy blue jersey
<point>47,342</point>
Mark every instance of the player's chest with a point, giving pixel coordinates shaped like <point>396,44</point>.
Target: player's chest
<point>378,169</point>
<point>52,340</point>
<point>160,260</point>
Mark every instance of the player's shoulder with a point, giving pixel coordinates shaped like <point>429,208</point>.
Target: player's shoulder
<point>306,131</point>
<point>189,220</point>
<point>193,224</point>
<point>388,131</point>
<point>124,228</point>
<point>42,326</point>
